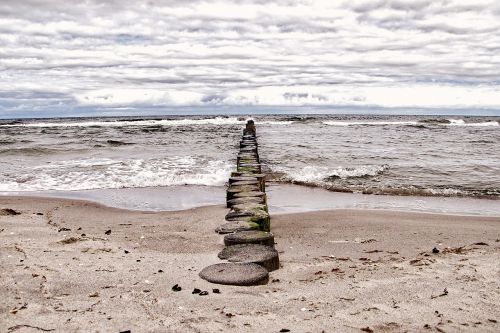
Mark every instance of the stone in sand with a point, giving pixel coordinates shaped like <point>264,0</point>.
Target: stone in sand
<point>249,207</point>
<point>250,237</point>
<point>237,274</point>
<point>249,194</point>
<point>262,255</point>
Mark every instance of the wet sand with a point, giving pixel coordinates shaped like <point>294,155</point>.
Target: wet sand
<point>76,266</point>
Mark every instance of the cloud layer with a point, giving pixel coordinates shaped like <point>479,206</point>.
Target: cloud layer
<point>123,53</point>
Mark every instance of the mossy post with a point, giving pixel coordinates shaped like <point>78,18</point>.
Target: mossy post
<point>249,242</point>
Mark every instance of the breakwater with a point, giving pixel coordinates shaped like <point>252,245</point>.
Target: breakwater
<point>249,243</point>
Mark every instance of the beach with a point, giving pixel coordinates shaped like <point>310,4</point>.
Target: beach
<point>78,266</point>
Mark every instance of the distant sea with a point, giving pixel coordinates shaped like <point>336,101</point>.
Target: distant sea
<point>398,155</point>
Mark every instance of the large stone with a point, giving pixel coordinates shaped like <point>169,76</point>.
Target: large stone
<point>250,237</point>
<point>262,255</point>
<point>237,274</point>
<point>249,194</point>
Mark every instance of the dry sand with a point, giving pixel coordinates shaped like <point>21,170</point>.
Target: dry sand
<point>342,271</point>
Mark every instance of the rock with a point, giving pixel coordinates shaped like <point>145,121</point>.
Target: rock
<point>204,293</point>
<point>234,226</point>
<point>237,274</point>
<point>196,291</point>
<point>176,288</point>
<point>107,232</point>
<point>250,237</point>
<point>262,255</point>
<point>260,221</point>
<point>216,291</point>
<point>435,250</point>
<point>8,211</point>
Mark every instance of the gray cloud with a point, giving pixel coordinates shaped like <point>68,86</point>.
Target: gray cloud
<point>176,53</point>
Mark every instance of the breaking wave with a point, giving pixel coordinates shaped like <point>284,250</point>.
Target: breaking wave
<point>107,173</point>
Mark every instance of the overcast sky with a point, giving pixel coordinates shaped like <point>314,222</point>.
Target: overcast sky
<point>126,54</point>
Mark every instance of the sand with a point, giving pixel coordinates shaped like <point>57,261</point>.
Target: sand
<point>77,266</point>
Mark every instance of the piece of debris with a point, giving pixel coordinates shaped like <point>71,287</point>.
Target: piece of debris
<point>284,330</point>
<point>160,271</point>
<point>8,211</point>
<point>107,232</point>
<point>63,229</point>
<point>203,293</point>
<point>176,288</point>
<point>367,329</point>
<point>196,291</point>
<point>445,292</point>
<point>435,250</point>
<point>126,251</point>
<point>481,244</point>
<point>365,241</point>
<point>216,291</point>
<point>70,240</point>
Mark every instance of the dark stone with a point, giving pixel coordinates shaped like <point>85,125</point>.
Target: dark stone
<point>8,211</point>
<point>263,255</point>
<point>108,232</point>
<point>216,291</point>
<point>237,274</point>
<point>176,288</point>
<point>204,293</point>
<point>196,291</point>
<point>435,250</point>
<point>250,237</point>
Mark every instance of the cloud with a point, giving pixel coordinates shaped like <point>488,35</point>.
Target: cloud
<point>117,54</point>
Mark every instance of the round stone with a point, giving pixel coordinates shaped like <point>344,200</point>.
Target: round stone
<point>250,237</point>
<point>237,274</point>
<point>262,255</point>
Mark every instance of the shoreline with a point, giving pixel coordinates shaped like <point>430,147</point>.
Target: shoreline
<point>341,270</point>
<point>283,199</point>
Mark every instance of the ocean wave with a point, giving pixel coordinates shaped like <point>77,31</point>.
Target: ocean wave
<point>420,123</point>
<point>107,173</point>
<point>221,121</point>
<point>322,175</point>
<point>368,123</point>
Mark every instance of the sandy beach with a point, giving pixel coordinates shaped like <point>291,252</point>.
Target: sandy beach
<point>77,266</point>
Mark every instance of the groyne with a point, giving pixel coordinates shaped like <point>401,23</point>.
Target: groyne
<point>249,243</point>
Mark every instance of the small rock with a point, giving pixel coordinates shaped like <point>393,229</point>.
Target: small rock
<point>435,250</point>
<point>176,288</point>
<point>284,330</point>
<point>63,229</point>
<point>216,291</point>
<point>107,232</point>
<point>39,214</point>
<point>160,271</point>
<point>196,291</point>
<point>126,251</point>
<point>8,211</point>
<point>204,293</point>
<point>127,331</point>
<point>96,294</point>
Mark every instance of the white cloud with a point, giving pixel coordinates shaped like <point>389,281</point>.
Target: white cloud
<point>389,53</point>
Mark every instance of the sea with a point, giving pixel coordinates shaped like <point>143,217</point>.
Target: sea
<point>442,156</point>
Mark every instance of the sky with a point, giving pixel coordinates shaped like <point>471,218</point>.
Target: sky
<point>123,56</point>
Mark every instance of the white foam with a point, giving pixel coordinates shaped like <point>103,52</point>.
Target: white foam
<point>107,173</point>
<point>317,174</point>
<point>461,122</point>
<point>369,123</point>
<point>144,123</point>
